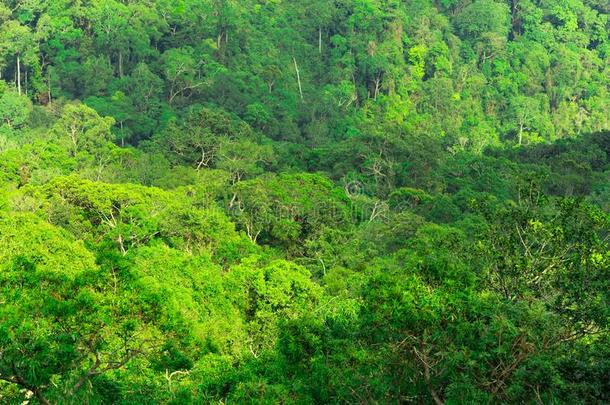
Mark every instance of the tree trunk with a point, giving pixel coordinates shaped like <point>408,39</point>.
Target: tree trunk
<point>18,74</point>
<point>320,40</point>
<point>520,134</point>
<point>514,20</point>
<point>122,135</point>
<point>49,86</point>
<point>377,86</point>
<point>296,68</point>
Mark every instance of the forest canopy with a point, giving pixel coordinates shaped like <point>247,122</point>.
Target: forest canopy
<point>321,201</point>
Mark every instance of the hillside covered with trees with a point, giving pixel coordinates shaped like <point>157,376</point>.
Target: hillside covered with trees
<point>308,202</point>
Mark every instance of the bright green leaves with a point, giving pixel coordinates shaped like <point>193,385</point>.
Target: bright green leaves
<point>270,293</point>
<point>48,301</point>
<point>14,109</point>
<point>484,17</point>
<point>185,296</point>
<point>288,209</point>
<point>417,57</point>
<point>82,316</point>
<point>19,50</point>
<point>29,244</point>
<point>209,138</point>
<point>81,129</point>
<point>124,217</point>
<point>182,72</point>
<point>243,158</point>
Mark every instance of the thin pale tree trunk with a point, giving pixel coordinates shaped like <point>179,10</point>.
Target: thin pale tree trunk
<point>320,40</point>
<point>49,86</point>
<point>296,68</point>
<point>18,74</point>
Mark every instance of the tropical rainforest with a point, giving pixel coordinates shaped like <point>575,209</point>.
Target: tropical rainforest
<point>304,201</point>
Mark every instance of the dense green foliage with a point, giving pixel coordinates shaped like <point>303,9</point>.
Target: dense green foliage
<point>341,201</point>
